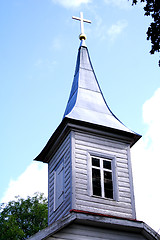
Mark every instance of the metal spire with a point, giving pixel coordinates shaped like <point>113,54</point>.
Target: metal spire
<point>86,101</point>
<point>82,36</point>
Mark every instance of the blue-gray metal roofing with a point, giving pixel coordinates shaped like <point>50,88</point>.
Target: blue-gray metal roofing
<point>86,101</point>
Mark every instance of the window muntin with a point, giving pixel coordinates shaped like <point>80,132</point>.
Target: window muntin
<point>102,177</point>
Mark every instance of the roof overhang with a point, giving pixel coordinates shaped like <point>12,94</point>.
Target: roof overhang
<point>99,221</point>
<point>68,124</point>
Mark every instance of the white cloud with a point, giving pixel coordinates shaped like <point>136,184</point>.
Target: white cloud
<point>116,29</point>
<point>34,179</point>
<point>71,3</point>
<point>146,165</point>
<point>123,4</point>
<point>100,29</point>
<point>103,31</point>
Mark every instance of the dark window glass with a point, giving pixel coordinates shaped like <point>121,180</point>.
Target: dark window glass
<point>108,185</point>
<point>108,194</point>
<point>96,180</point>
<point>95,162</point>
<point>107,164</point>
<point>107,175</point>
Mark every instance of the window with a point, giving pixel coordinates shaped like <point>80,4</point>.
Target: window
<point>59,186</point>
<point>102,177</point>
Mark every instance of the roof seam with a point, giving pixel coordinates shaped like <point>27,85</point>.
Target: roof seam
<point>89,89</point>
<point>86,69</point>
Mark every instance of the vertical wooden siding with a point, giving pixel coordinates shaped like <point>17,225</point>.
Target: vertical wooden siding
<point>64,153</point>
<point>85,143</point>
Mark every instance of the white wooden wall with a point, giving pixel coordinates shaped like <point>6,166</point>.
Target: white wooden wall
<point>63,152</point>
<point>75,150</point>
<point>82,232</point>
<point>85,143</point>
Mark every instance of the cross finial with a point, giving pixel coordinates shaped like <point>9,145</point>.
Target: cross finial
<point>82,36</point>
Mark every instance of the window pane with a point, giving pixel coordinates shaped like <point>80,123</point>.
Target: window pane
<point>108,185</point>
<point>109,194</point>
<point>96,180</point>
<point>95,162</point>
<point>108,175</point>
<point>107,164</point>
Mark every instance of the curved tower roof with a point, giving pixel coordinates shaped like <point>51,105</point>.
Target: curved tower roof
<point>86,101</point>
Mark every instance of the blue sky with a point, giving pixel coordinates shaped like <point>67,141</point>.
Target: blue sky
<point>38,51</point>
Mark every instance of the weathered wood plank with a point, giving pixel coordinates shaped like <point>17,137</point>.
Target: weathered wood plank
<point>79,232</point>
<point>123,174</point>
<point>125,194</point>
<point>59,153</point>
<point>66,153</point>
<point>63,210</point>
<point>103,140</point>
<point>92,231</point>
<point>124,199</point>
<point>81,165</point>
<point>124,170</point>
<point>81,171</point>
<point>81,185</point>
<point>80,156</point>
<point>92,147</point>
<point>82,194</point>
<point>85,143</point>
<point>123,179</point>
<point>81,175</point>
<point>122,160</point>
<point>124,184</point>
<point>99,205</point>
<point>62,153</point>
<point>122,164</point>
<point>124,189</point>
<point>103,211</point>
<point>81,160</point>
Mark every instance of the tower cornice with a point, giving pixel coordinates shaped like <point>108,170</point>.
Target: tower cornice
<point>68,125</point>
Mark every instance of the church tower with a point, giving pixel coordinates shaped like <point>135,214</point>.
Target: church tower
<point>88,155</point>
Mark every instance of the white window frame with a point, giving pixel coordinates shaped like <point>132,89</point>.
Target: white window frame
<point>114,174</point>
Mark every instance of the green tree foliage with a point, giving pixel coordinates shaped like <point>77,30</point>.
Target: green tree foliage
<point>22,218</point>
<point>152,8</point>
